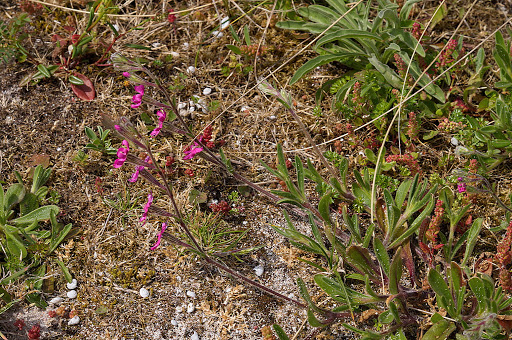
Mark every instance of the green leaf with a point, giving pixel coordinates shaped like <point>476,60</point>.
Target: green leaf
<point>44,71</point>
<point>477,287</point>
<point>75,80</point>
<point>138,47</point>
<point>381,254</point>
<point>13,196</point>
<point>40,214</point>
<point>439,15</point>
<point>440,330</point>
<point>279,331</point>
<point>15,245</point>
<point>389,74</point>
<point>323,207</point>
<point>395,272</point>
<point>310,65</point>
<point>234,48</point>
<point>65,271</point>
<point>439,285</point>
<point>359,258</point>
<point>474,231</point>
<point>342,34</point>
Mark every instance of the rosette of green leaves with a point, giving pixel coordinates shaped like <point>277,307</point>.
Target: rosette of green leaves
<point>24,244</point>
<point>489,304</point>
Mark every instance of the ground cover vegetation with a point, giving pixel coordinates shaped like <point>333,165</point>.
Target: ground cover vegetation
<point>379,133</point>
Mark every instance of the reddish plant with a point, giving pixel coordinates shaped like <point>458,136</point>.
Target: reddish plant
<point>189,172</point>
<point>405,160</point>
<point>435,223</point>
<point>412,127</point>
<point>19,324</point>
<point>34,333</point>
<point>221,207</point>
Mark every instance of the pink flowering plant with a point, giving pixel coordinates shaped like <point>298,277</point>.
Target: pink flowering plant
<point>380,254</point>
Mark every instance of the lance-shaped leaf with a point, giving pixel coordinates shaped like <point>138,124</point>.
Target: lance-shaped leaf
<point>382,255</point>
<point>395,272</point>
<point>40,214</point>
<point>473,233</point>
<point>443,293</point>
<point>13,196</point>
<point>440,329</point>
<point>152,179</point>
<point>359,258</point>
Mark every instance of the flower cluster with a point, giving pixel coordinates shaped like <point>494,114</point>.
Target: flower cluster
<point>461,187</point>
<point>192,150</point>
<point>416,31</point>
<point>446,57</point>
<point>435,223</point>
<point>406,160</point>
<point>357,99</point>
<point>221,207</point>
<point>504,258</point>
<point>161,117</point>
<point>412,127</point>
<point>253,50</point>
<point>449,126</point>
<point>473,166</point>
<point>137,99</point>
<point>122,153</point>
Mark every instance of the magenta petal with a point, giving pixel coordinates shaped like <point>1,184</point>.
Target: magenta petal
<point>157,243</point>
<point>126,74</point>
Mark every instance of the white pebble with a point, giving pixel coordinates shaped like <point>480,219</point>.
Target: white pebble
<point>244,109</point>
<point>72,284</point>
<point>144,292</point>
<point>186,44</point>
<point>56,300</point>
<point>273,117</point>
<point>245,222</point>
<point>191,294</point>
<point>217,34</point>
<point>179,309</point>
<point>454,141</point>
<point>258,270</point>
<point>207,91</point>
<point>155,44</point>
<point>191,308</point>
<point>194,336</point>
<point>192,109</point>
<point>224,23</point>
<point>174,322</point>
<point>175,54</point>
<point>182,106</point>
<point>59,149</point>
<point>72,294</point>
<point>191,69</point>
<point>74,320</point>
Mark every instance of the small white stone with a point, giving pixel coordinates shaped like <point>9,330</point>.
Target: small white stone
<point>179,309</point>
<point>244,109</point>
<point>144,292</point>
<point>194,336</point>
<point>182,106</point>
<point>272,117</point>
<point>258,270</point>
<point>191,308</point>
<point>116,27</point>
<point>454,141</point>
<point>191,69</point>
<point>74,320</point>
<point>192,109</point>
<point>175,54</point>
<point>207,91</point>
<point>191,294</point>
<point>245,222</point>
<point>56,300</point>
<point>186,44</point>
<point>72,294</point>
<point>224,23</point>
<point>155,44</point>
<point>217,34</point>
<point>8,120</point>
<point>174,322</point>
<point>72,284</point>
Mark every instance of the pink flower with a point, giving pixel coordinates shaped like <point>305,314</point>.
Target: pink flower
<point>146,209</point>
<point>164,226</point>
<point>461,187</point>
<point>121,154</point>
<point>161,117</point>
<point>117,127</point>
<point>126,74</point>
<point>193,150</point>
<point>137,99</point>
<point>138,169</point>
